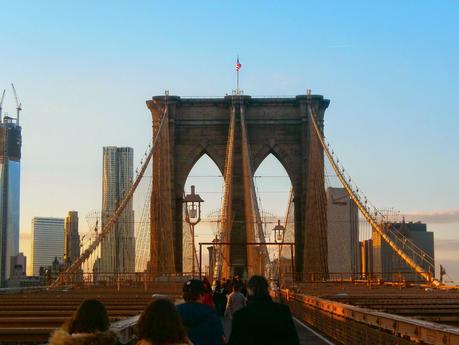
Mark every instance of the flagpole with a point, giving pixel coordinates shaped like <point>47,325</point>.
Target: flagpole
<point>237,88</point>
<point>238,67</point>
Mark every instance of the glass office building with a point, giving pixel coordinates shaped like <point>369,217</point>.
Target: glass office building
<point>47,242</point>
<point>10,173</point>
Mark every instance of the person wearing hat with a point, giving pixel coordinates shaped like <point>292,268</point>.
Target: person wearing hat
<point>201,322</point>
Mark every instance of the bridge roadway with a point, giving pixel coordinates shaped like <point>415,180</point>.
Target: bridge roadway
<point>309,336</point>
<point>420,303</point>
<point>31,317</point>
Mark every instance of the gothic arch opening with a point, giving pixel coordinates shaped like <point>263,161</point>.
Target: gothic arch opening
<point>273,188</point>
<point>208,181</point>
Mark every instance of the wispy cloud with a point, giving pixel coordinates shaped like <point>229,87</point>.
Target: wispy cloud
<point>447,245</point>
<point>439,217</point>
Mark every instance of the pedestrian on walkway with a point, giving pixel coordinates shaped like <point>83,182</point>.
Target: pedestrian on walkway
<point>202,324</point>
<point>243,289</point>
<point>227,287</point>
<point>236,301</point>
<point>219,298</point>
<point>88,326</point>
<point>208,298</point>
<point>160,324</point>
<point>262,322</point>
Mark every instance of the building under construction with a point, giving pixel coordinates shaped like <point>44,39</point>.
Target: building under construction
<point>10,168</point>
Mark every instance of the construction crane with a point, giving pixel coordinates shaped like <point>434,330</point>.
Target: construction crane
<point>18,104</point>
<point>1,103</point>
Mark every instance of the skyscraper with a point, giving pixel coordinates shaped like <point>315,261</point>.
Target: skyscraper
<point>118,248</point>
<point>10,157</point>
<point>72,238</point>
<point>342,232</point>
<point>47,242</point>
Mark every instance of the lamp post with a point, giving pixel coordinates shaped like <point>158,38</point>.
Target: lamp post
<point>279,233</point>
<point>193,205</point>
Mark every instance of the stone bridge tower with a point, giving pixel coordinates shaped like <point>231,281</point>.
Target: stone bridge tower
<point>197,126</point>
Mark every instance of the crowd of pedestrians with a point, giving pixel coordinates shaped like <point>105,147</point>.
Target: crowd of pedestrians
<point>247,306</point>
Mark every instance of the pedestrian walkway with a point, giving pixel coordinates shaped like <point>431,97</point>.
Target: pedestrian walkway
<point>308,336</point>
<point>226,327</point>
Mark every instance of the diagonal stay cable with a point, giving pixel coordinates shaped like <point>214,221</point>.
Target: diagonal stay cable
<point>73,268</point>
<point>363,209</point>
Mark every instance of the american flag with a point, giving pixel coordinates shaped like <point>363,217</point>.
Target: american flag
<point>238,65</point>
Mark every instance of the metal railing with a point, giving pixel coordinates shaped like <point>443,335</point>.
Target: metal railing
<point>144,280</point>
<point>351,325</point>
<point>125,329</point>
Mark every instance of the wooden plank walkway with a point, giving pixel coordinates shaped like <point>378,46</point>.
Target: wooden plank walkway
<point>307,335</point>
<point>310,337</point>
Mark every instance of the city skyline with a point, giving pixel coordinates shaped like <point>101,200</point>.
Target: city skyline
<point>390,95</point>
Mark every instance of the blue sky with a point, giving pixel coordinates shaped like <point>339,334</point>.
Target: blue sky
<point>83,71</point>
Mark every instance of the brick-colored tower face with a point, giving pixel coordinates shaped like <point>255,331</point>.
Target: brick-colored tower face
<point>200,126</point>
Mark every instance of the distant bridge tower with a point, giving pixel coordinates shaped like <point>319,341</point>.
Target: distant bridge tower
<point>197,126</point>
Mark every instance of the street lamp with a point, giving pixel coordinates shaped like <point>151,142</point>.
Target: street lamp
<point>193,205</point>
<point>279,234</point>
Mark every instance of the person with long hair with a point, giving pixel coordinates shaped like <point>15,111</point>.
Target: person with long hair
<point>160,324</point>
<point>208,299</point>
<point>88,325</point>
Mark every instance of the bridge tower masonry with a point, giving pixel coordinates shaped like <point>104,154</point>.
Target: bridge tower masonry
<point>198,126</point>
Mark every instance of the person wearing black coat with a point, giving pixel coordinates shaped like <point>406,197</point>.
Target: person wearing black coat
<point>262,321</point>
<point>219,298</point>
